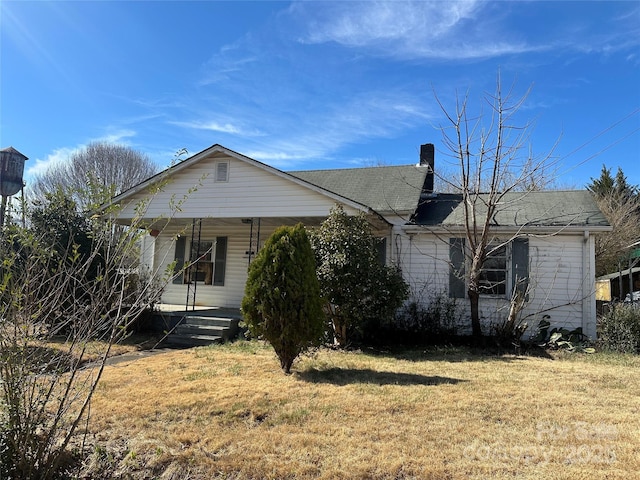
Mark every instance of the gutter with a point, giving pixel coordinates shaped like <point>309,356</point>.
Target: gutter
<point>517,229</point>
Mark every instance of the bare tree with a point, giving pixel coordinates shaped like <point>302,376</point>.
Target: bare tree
<point>494,160</point>
<point>612,246</point>
<point>620,203</point>
<point>95,173</point>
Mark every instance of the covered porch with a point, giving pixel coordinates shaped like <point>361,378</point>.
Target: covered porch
<point>208,258</point>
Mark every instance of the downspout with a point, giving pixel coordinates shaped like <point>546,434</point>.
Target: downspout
<point>251,241</point>
<point>631,263</point>
<point>588,296</point>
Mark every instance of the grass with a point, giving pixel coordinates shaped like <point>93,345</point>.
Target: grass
<point>94,349</point>
<point>229,412</point>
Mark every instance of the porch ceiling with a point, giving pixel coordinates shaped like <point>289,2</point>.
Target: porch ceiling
<point>234,222</point>
<point>159,224</point>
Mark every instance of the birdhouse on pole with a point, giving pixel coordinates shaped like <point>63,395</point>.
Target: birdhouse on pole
<point>11,172</point>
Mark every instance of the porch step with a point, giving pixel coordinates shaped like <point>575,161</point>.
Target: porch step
<point>209,321</point>
<point>191,340</point>
<point>197,330</point>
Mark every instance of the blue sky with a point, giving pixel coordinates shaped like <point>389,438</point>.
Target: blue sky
<point>317,84</point>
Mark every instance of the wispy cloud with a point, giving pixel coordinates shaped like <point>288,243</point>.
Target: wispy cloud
<point>461,30</point>
<point>117,135</point>
<point>62,154</point>
<point>220,127</point>
<point>365,23</point>
<point>283,105</point>
<point>229,60</point>
<point>322,134</point>
<point>41,165</point>
<point>285,122</point>
<point>425,29</point>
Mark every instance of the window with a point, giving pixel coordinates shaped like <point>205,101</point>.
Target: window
<point>507,263</point>
<point>222,172</point>
<point>201,269</point>
<point>493,278</point>
<point>206,261</point>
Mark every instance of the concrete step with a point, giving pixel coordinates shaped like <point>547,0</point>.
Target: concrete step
<point>197,330</point>
<point>211,330</point>
<point>206,321</point>
<point>192,340</point>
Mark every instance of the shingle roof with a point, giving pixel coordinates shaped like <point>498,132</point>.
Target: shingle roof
<point>540,208</point>
<point>384,189</point>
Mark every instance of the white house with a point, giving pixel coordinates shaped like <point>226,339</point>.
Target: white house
<point>214,210</point>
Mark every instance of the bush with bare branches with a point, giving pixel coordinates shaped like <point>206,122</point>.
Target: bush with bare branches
<point>56,298</point>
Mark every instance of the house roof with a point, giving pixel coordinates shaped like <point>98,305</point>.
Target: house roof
<point>380,189</point>
<point>552,208</point>
<point>383,189</point>
<point>400,189</point>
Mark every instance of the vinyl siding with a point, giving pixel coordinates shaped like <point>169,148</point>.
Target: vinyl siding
<point>249,192</point>
<point>237,262</point>
<point>561,281</point>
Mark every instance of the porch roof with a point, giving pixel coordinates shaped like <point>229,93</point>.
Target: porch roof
<point>549,208</point>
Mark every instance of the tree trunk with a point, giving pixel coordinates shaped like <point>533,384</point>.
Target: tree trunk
<point>474,302</point>
<point>339,325</point>
<point>285,364</point>
<point>474,295</point>
<point>340,332</point>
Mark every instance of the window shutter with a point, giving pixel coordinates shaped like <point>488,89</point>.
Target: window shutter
<point>381,246</point>
<point>520,264</point>
<point>456,268</point>
<point>220,261</point>
<point>178,270</point>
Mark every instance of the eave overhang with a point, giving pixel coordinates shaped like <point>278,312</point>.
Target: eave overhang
<point>516,230</point>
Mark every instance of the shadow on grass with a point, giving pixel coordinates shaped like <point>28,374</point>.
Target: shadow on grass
<point>38,359</point>
<point>455,353</point>
<point>348,376</point>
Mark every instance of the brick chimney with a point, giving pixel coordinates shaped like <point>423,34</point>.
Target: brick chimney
<point>427,158</point>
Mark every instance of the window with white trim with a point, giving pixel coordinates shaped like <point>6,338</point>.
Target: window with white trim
<point>493,277</point>
<point>201,266</point>
<point>206,261</point>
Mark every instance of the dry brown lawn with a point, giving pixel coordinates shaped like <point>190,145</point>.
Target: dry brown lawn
<point>229,412</point>
<point>94,349</point>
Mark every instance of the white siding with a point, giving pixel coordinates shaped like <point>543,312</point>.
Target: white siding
<point>561,279</point>
<point>425,264</point>
<point>249,192</point>
<point>557,278</point>
<point>237,262</point>
<point>147,253</point>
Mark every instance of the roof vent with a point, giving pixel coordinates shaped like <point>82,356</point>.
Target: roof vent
<point>222,172</point>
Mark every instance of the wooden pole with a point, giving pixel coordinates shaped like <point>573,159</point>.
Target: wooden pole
<point>2,210</point>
